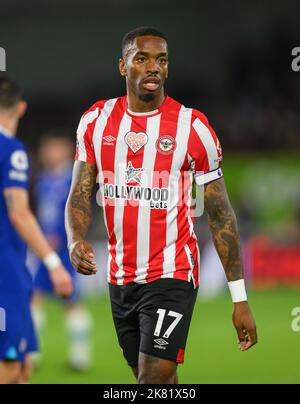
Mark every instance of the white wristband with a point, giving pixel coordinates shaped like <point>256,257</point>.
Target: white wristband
<point>238,291</point>
<point>52,261</point>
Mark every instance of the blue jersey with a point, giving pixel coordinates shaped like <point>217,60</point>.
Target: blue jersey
<point>13,173</point>
<point>52,190</point>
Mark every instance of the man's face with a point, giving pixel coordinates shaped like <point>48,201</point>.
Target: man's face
<point>55,152</point>
<point>145,66</point>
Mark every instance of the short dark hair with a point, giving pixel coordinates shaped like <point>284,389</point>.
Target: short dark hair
<point>140,31</point>
<point>10,93</point>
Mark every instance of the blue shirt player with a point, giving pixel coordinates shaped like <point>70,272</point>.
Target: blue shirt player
<point>18,228</point>
<point>51,193</point>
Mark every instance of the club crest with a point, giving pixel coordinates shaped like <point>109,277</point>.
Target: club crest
<point>165,144</point>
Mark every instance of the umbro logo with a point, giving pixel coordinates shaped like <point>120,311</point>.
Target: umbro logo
<point>109,140</point>
<point>161,343</point>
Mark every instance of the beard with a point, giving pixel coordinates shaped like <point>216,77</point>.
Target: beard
<point>147,97</point>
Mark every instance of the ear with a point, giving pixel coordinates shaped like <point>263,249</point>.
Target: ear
<point>22,107</point>
<point>122,67</point>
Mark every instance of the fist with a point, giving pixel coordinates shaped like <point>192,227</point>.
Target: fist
<point>82,258</point>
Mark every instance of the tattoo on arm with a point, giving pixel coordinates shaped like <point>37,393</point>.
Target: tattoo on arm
<point>78,209</point>
<point>223,225</point>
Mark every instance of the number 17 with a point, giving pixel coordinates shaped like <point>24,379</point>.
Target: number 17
<point>161,315</point>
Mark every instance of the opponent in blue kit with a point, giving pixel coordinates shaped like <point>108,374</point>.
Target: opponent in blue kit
<point>51,192</point>
<point>18,228</point>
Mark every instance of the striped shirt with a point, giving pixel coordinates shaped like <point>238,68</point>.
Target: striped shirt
<point>147,163</point>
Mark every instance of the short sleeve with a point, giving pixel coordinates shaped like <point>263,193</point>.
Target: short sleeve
<point>204,151</point>
<point>16,167</point>
<point>84,145</point>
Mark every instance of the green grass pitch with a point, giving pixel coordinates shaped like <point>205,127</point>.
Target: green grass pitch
<point>212,355</point>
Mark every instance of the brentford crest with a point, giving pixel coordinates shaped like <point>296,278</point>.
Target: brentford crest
<point>165,144</point>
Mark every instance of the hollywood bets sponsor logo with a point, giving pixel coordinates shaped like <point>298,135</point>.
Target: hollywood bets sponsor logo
<point>156,197</point>
<point>165,144</point>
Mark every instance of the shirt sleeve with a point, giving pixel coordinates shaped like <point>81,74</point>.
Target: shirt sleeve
<point>84,145</point>
<point>16,167</point>
<point>204,151</point>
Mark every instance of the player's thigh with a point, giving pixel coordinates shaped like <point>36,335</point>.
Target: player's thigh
<point>135,371</point>
<point>10,372</point>
<point>126,321</point>
<point>165,318</point>
<point>154,370</point>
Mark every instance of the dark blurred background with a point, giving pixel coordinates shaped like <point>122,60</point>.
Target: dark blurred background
<point>232,60</point>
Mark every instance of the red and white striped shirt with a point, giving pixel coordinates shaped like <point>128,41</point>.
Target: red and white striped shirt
<point>147,163</point>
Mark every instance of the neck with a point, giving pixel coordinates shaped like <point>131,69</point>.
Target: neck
<point>9,124</point>
<point>135,104</point>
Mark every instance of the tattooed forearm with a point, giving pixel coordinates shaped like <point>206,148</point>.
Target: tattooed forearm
<point>78,215</point>
<point>223,225</point>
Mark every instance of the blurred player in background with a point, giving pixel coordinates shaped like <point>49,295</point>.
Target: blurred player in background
<point>18,227</point>
<point>51,192</point>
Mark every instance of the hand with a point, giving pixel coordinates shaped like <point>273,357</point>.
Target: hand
<point>82,258</point>
<point>245,325</point>
<point>62,281</point>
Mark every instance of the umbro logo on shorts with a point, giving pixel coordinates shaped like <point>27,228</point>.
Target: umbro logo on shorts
<point>161,343</point>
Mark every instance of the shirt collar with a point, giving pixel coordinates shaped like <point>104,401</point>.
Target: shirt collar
<point>148,113</point>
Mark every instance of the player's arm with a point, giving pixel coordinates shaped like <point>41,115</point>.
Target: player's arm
<point>25,223</point>
<point>78,217</point>
<point>224,229</point>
